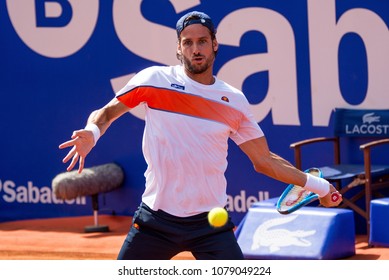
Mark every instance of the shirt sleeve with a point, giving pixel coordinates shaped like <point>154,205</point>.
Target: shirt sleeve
<point>248,128</point>
<point>131,93</point>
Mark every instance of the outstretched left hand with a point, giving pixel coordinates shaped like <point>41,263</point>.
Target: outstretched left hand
<point>82,142</point>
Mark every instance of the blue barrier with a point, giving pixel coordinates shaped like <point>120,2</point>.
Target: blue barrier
<point>309,233</point>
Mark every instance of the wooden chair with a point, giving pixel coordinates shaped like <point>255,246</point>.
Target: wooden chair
<point>369,126</point>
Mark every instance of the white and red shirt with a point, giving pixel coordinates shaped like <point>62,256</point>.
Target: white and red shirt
<point>185,141</point>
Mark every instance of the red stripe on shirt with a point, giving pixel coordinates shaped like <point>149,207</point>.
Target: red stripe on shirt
<point>182,103</point>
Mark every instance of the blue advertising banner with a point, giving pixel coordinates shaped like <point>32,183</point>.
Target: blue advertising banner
<point>361,123</point>
<point>60,59</point>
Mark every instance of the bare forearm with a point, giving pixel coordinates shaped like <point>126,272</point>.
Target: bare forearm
<point>270,164</point>
<point>280,169</point>
<point>100,119</point>
<point>105,116</point>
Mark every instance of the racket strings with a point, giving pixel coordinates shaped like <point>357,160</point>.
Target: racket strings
<point>294,196</point>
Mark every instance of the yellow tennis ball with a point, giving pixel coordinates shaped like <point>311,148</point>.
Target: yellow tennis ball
<point>217,217</point>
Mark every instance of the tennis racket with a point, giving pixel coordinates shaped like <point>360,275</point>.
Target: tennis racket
<point>294,197</point>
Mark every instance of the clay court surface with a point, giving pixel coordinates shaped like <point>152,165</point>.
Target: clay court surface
<point>65,239</point>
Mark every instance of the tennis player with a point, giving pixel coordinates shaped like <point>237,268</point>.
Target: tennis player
<point>190,115</point>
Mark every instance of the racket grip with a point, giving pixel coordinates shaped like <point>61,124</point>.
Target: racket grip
<point>335,197</point>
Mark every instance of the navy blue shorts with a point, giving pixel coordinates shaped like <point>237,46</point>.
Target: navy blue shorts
<point>157,235</point>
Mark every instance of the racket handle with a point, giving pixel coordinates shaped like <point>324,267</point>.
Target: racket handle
<point>335,197</point>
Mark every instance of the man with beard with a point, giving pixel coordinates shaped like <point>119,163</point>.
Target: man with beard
<point>190,115</point>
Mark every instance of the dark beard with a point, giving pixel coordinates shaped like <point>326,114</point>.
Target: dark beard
<point>195,69</point>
